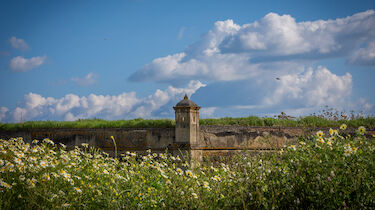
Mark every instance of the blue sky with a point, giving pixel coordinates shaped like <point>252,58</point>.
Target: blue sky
<point>65,60</point>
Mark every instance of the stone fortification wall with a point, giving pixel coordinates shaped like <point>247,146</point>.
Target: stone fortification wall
<point>199,141</point>
<point>245,137</point>
<point>213,139</point>
<point>127,139</point>
<point>221,140</point>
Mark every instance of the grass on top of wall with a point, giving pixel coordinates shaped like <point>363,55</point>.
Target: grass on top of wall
<point>308,121</point>
<point>91,123</point>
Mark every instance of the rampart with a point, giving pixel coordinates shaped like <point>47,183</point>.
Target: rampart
<point>188,136</point>
<point>213,141</point>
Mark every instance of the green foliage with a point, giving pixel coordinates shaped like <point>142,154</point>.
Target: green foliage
<point>308,121</point>
<point>90,123</point>
<point>320,172</point>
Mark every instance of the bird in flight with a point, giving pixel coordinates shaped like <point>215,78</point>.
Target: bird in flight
<point>277,78</point>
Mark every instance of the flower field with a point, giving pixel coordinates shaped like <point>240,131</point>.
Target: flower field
<point>327,170</point>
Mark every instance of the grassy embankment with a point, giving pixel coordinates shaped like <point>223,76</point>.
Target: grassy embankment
<point>309,121</point>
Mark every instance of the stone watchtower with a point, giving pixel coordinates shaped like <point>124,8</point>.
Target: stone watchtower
<point>187,121</point>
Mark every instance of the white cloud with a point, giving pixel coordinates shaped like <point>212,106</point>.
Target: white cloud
<point>279,33</point>
<point>172,68</point>
<point>18,43</point>
<point>89,79</point>
<point>246,106</point>
<point>21,64</point>
<point>276,46</point>
<point>273,44</point>
<point>364,56</point>
<point>365,105</point>
<point>300,93</point>
<point>18,115</point>
<point>72,107</point>
<point>276,35</point>
<point>312,88</point>
<point>161,98</point>
<point>207,112</point>
<point>3,112</point>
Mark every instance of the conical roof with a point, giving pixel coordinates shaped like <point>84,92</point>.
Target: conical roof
<point>186,102</point>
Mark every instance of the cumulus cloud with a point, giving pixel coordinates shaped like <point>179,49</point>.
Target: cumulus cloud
<point>89,79</point>
<point>312,88</point>
<point>18,43</point>
<point>276,46</point>
<point>307,91</point>
<point>72,107</point>
<point>232,52</point>
<point>161,98</point>
<point>284,38</point>
<point>21,64</point>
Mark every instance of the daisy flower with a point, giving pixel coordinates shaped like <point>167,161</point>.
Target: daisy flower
<point>78,190</point>
<point>65,205</point>
<point>179,171</point>
<point>343,127</point>
<point>189,173</point>
<point>362,130</point>
<point>17,160</point>
<point>43,164</point>
<point>4,184</point>
<point>293,147</point>
<point>194,195</point>
<point>320,134</point>
<point>348,150</point>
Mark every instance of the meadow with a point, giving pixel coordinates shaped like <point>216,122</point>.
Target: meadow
<point>327,170</point>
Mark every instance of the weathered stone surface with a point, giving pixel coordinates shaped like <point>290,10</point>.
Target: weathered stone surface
<point>242,137</point>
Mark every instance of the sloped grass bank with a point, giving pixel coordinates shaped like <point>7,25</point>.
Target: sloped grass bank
<point>90,123</point>
<point>309,121</point>
<point>322,171</point>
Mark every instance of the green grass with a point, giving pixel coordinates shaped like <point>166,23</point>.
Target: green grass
<point>333,172</point>
<point>90,123</point>
<point>309,121</point>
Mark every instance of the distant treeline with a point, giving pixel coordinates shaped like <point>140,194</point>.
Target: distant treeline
<point>309,121</point>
